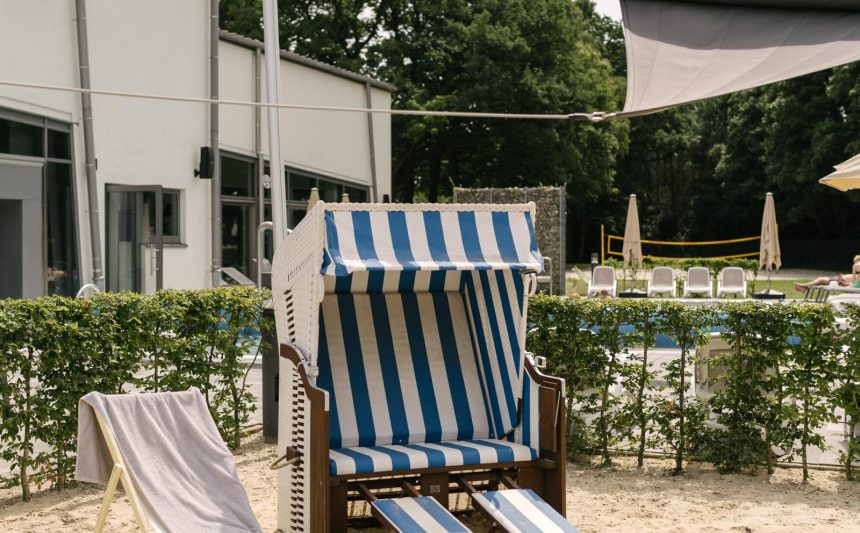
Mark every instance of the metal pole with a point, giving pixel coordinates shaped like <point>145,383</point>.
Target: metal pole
<point>258,136</point>
<point>214,33</point>
<point>273,91</point>
<point>369,100</point>
<point>89,146</point>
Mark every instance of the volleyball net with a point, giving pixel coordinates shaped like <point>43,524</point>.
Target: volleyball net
<point>654,250</point>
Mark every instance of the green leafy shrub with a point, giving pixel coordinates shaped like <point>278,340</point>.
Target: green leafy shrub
<point>55,350</point>
<point>770,393</point>
<point>847,389</point>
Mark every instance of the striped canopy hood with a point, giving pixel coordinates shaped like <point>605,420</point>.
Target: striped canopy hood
<point>392,237</point>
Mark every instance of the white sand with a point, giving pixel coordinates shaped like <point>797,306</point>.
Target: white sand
<point>620,498</point>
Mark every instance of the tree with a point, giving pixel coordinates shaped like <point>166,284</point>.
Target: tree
<point>485,55</point>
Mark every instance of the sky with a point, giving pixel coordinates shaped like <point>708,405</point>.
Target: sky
<point>611,8</point>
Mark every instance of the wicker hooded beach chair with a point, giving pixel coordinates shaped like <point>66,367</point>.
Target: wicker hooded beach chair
<point>403,370</point>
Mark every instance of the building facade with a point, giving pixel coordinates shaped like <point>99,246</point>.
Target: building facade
<point>154,215</point>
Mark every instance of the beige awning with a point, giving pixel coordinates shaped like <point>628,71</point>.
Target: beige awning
<point>846,177</point>
<point>685,51</point>
<point>769,256</point>
<point>632,247</point>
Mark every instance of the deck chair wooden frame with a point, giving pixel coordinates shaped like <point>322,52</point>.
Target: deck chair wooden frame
<point>119,473</point>
<point>340,316</point>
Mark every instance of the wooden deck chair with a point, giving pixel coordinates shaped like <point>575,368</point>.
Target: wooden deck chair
<point>166,451</point>
<point>118,473</point>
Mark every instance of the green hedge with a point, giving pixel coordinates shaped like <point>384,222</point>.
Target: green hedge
<point>787,370</point>
<point>55,350</point>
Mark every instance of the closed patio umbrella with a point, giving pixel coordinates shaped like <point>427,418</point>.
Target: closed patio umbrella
<point>632,247</point>
<point>769,255</point>
<point>846,177</point>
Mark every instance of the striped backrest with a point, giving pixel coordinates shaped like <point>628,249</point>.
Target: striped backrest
<point>400,367</point>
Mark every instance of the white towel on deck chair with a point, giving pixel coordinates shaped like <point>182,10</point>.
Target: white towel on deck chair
<point>183,473</point>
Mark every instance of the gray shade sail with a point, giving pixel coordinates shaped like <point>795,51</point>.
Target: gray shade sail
<point>684,51</point>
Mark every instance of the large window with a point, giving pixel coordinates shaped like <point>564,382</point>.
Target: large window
<point>240,205</point>
<point>37,138</point>
<point>299,185</point>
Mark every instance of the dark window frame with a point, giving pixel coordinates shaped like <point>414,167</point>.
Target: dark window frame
<point>48,123</point>
<point>170,238</point>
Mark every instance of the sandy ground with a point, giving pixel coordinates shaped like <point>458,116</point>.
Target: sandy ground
<point>620,498</point>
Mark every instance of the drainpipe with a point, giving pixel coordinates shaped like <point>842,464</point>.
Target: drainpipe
<point>89,147</point>
<point>372,144</point>
<point>214,34</point>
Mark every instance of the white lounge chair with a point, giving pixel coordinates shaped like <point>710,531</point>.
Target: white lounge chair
<point>698,282</point>
<point>732,282</point>
<point>662,282</point>
<point>603,279</point>
<point>165,449</point>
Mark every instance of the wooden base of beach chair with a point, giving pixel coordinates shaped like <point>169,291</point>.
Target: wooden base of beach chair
<point>414,513</point>
<point>119,473</point>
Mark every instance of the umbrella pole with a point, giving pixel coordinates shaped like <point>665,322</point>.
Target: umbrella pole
<point>768,281</point>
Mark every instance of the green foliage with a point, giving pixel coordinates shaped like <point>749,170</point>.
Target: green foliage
<point>847,391</point>
<point>748,401</point>
<point>811,367</point>
<point>524,56</point>
<point>55,350</point>
<point>681,418</point>
<point>768,395</point>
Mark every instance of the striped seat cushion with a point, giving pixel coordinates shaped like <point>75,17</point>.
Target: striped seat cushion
<point>403,457</point>
<point>422,514</point>
<point>521,510</point>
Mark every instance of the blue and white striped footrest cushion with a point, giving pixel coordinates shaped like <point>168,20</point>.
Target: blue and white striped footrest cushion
<point>397,457</point>
<point>418,515</point>
<point>521,510</point>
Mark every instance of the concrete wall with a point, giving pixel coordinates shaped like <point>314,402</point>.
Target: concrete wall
<point>330,143</point>
<point>162,47</point>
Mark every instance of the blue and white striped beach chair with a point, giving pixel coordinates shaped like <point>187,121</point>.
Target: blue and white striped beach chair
<point>402,332</point>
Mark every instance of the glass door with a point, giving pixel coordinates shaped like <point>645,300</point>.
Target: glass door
<point>239,236</point>
<point>134,238</point>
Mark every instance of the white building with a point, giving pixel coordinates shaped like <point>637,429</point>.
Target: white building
<point>154,216</point>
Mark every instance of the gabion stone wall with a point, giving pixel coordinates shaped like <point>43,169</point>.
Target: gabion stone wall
<point>549,226</point>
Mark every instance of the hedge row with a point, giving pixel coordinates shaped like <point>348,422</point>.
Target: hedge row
<point>788,369</point>
<point>53,350</point>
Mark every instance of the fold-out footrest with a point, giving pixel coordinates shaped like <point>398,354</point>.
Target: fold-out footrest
<point>521,511</point>
<point>416,515</point>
